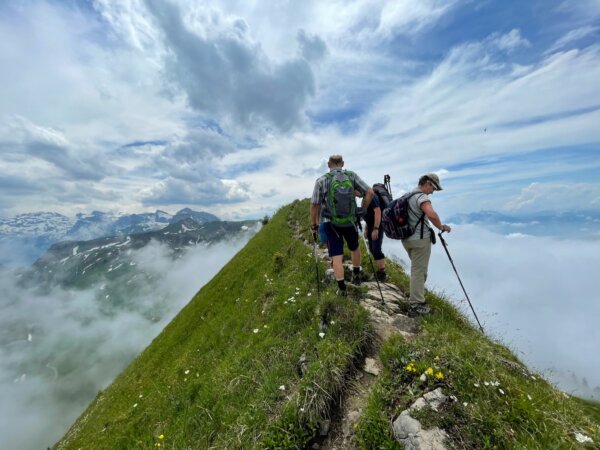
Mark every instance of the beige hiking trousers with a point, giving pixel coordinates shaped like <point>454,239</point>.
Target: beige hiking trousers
<point>419,251</point>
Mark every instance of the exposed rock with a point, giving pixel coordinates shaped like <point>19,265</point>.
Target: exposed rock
<point>418,405</point>
<point>329,275</point>
<point>372,367</point>
<point>405,426</point>
<point>409,433</point>
<point>435,398</point>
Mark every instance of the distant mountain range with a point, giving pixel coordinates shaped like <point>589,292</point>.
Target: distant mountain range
<point>82,263</point>
<point>25,237</point>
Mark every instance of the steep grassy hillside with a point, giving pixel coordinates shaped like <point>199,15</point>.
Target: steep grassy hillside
<point>256,360</point>
<point>227,371</point>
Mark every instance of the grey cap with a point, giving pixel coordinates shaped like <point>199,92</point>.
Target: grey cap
<point>435,180</point>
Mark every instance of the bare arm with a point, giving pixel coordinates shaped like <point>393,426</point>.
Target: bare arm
<point>376,223</point>
<point>366,201</point>
<point>314,214</point>
<point>433,217</point>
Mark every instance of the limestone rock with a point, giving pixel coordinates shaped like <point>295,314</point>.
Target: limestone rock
<point>372,367</point>
<point>435,398</point>
<point>405,426</point>
<point>409,433</point>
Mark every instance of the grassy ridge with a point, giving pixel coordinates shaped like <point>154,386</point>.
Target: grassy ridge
<point>225,372</point>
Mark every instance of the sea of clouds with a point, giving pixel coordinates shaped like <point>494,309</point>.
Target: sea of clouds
<point>537,295</point>
<point>59,348</point>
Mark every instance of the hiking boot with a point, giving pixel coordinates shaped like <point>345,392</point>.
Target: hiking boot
<point>341,292</point>
<point>356,279</point>
<point>381,276</point>
<point>418,309</point>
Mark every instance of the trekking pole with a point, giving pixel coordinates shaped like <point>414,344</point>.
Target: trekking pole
<point>359,227</point>
<point>317,268</point>
<point>459,280</point>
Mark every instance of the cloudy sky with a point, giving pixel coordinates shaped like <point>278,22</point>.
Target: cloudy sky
<point>233,106</point>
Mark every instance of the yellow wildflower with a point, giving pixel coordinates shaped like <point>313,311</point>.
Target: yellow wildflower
<point>161,437</point>
<point>429,371</point>
<point>439,376</point>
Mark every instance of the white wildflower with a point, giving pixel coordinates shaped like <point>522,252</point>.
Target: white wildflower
<point>476,384</point>
<point>529,397</point>
<point>321,335</point>
<point>453,398</point>
<point>140,396</point>
<point>255,330</point>
<point>282,387</point>
<point>309,294</point>
<point>301,409</point>
<point>486,383</point>
<point>582,438</point>
<point>265,326</point>
<point>135,405</point>
<point>333,322</point>
<point>187,371</point>
<point>501,391</point>
<point>465,404</point>
<point>533,378</point>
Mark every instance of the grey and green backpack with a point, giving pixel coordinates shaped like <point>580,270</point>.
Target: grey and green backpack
<point>341,205</point>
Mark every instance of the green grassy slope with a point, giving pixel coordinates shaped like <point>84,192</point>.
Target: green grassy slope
<point>210,381</point>
<point>225,372</point>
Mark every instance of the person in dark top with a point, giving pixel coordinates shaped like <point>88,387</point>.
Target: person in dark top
<point>374,235</point>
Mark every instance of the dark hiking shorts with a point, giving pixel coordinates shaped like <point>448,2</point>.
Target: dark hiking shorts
<point>336,237</point>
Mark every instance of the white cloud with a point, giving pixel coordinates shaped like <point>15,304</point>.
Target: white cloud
<point>510,41</point>
<point>573,36</point>
<point>546,196</point>
<point>411,16</point>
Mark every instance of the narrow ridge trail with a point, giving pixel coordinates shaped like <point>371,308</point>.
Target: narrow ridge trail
<point>387,319</point>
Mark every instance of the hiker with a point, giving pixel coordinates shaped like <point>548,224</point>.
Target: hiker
<point>374,236</point>
<point>418,245</point>
<point>333,201</point>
